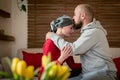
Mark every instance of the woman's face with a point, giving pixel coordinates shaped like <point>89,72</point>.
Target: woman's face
<point>67,30</point>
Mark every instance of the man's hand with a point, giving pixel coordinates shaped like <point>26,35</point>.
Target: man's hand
<point>65,53</point>
<point>48,34</point>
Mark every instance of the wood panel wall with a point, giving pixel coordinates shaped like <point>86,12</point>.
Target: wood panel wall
<point>42,12</point>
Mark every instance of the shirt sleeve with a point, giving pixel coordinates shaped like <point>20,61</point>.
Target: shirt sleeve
<point>49,47</point>
<point>46,47</point>
<point>81,45</point>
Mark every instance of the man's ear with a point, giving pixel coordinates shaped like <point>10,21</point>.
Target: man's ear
<point>83,15</point>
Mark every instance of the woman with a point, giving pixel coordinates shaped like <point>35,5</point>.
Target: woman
<point>62,26</point>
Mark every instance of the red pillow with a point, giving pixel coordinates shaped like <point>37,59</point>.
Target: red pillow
<point>117,63</point>
<point>32,58</point>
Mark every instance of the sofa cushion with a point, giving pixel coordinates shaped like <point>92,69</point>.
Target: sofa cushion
<point>117,63</point>
<point>32,58</point>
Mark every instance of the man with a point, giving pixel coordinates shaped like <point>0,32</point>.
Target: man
<point>92,46</point>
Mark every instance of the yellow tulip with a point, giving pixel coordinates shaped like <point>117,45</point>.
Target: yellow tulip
<point>62,70</point>
<point>14,64</point>
<point>29,73</point>
<point>53,71</point>
<point>65,76</point>
<point>66,73</point>
<point>46,59</point>
<point>21,67</point>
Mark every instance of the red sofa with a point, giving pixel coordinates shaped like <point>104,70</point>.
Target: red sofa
<point>30,59</point>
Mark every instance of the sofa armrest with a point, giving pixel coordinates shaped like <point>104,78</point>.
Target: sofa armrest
<point>5,65</point>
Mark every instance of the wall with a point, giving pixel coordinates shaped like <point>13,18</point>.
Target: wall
<point>17,27</point>
<point>5,23</point>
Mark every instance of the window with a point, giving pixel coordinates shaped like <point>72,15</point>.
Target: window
<point>42,12</point>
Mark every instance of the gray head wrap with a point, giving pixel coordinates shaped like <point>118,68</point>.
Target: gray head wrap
<point>61,22</point>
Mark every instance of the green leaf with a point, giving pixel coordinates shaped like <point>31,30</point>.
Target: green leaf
<point>23,7</point>
<point>36,71</point>
<point>44,76</point>
<point>8,61</point>
<point>5,74</point>
<point>16,76</point>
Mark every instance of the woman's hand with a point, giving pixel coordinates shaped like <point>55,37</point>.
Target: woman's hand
<point>65,53</point>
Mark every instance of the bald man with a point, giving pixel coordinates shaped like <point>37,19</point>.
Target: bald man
<point>92,46</point>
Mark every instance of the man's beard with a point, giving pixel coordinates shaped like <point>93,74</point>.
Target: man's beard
<point>78,26</point>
